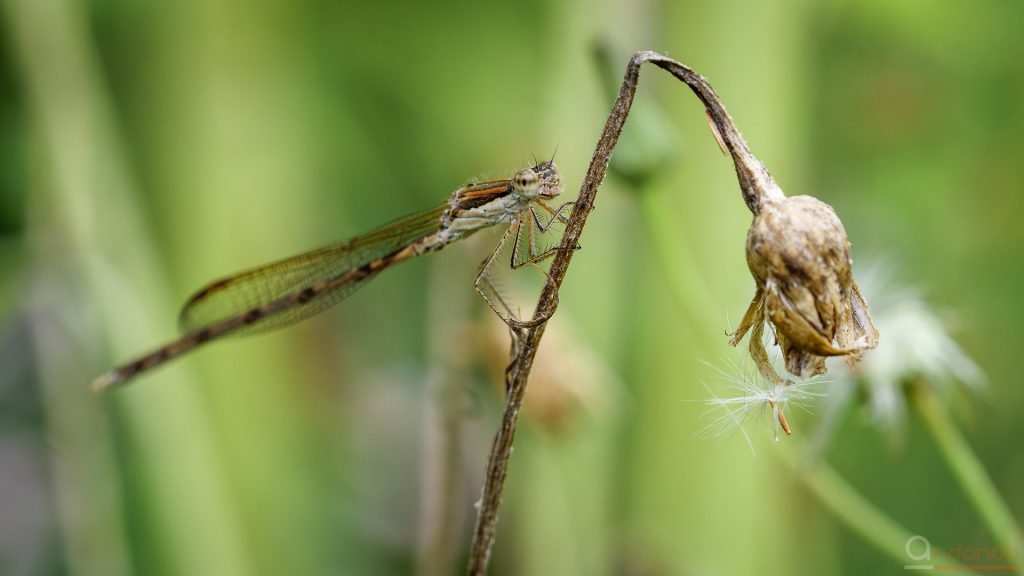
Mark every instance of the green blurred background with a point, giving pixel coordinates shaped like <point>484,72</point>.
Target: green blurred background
<point>146,148</point>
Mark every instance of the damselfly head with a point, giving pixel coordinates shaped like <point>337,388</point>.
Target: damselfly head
<point>543,180</point>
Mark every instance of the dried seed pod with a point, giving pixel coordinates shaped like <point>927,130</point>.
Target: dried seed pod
<point>799,254</point>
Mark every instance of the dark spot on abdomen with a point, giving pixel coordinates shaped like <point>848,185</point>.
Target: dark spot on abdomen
<point>306,295</point>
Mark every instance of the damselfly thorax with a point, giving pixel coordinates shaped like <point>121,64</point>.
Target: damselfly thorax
<point>291,290</point>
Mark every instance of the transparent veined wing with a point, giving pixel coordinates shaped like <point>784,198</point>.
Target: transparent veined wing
<point>238,295</point>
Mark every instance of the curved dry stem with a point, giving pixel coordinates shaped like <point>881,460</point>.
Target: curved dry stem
<point>757,186</point>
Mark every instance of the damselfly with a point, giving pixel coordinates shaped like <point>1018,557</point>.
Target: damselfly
<point>285,292</point>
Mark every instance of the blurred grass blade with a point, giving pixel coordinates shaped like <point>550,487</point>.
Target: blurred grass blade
<point>81,199</point>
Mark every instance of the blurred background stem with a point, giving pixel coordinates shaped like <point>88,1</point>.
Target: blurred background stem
<point>675,263</point>
<point>448,321</point>
<point>850,507</point>
<point>82,208</point>
<point>969,472</point>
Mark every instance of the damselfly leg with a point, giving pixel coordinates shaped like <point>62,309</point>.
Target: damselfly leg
<point>529,232</point>
<point>527,229</point>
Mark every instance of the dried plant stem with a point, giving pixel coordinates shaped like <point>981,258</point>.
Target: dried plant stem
<point>755,183</point>
<point>969,472</point>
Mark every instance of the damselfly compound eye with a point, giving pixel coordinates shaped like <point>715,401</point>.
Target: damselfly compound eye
<point>526,181</point>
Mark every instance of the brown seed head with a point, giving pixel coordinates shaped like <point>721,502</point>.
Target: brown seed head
<point>799,254</point>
